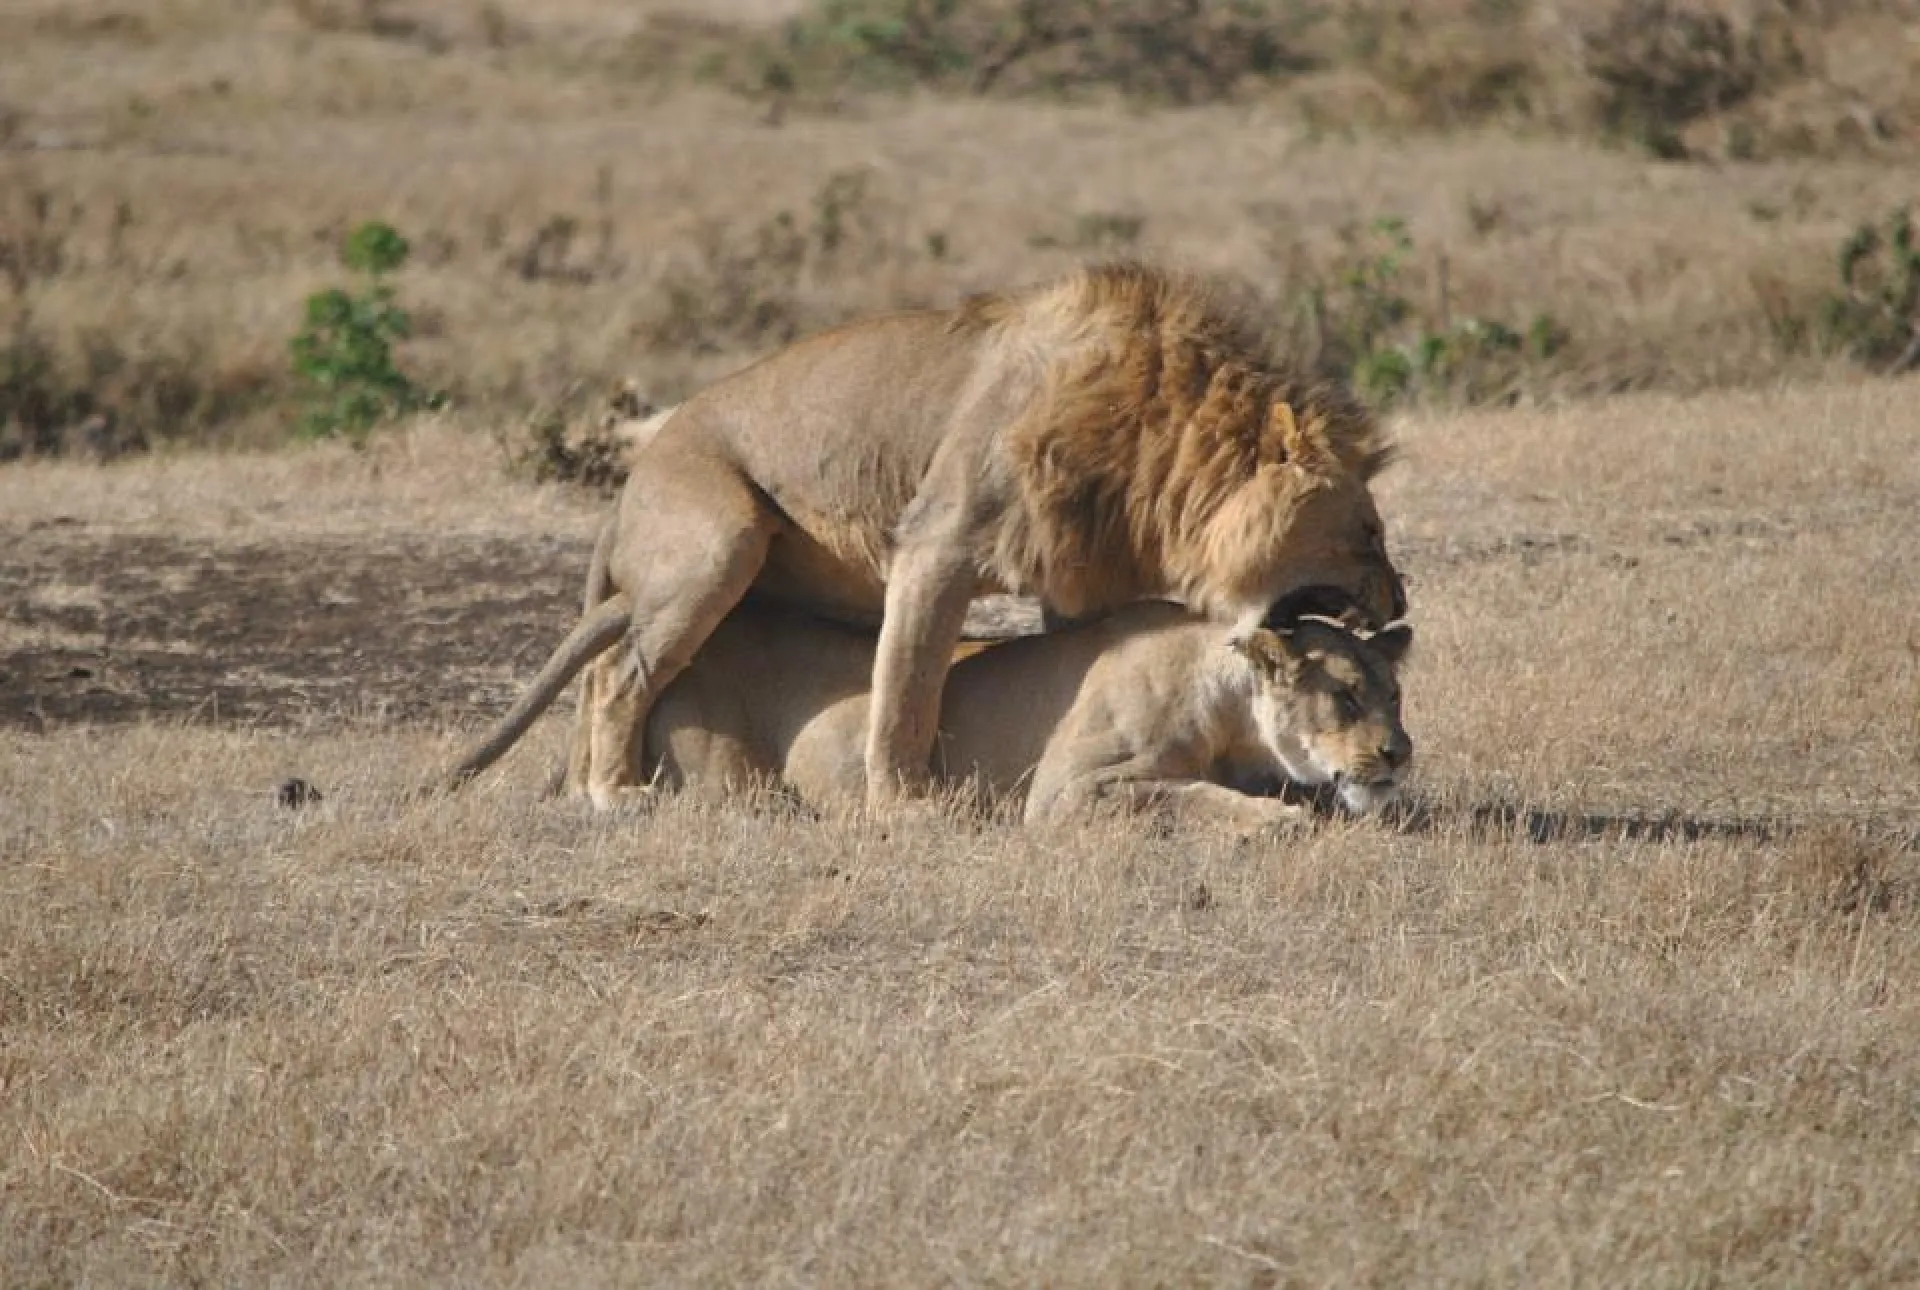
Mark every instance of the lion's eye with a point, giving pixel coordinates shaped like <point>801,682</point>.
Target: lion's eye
<point>1350,705</point>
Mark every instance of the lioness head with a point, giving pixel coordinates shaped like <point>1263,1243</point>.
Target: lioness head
<point>1327,704</point>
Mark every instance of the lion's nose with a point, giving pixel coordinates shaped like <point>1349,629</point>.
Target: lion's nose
<point>1397,751</point>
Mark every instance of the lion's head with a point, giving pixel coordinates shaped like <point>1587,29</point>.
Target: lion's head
<point>1327,704</point>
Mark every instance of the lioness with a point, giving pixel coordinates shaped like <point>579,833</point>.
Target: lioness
<point>1115,435</point>
<point>1150,707</point>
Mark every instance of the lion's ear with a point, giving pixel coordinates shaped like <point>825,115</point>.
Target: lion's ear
<point>1393,641</point>
<point>1280,415</point>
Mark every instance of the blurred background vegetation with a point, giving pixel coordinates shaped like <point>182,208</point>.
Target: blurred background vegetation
<point>1462,201</point>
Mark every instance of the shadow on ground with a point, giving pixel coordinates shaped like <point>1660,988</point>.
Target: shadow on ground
<point>1546,826</point>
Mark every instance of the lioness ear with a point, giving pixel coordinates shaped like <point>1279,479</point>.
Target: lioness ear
<point>1392,641</point>
<point>1270,652</point>
<point>1331,603</point>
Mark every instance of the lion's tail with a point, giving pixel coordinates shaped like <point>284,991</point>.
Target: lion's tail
<point>598,630</point>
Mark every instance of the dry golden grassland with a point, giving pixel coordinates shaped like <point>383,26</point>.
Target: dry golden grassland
<point>1627,999</point>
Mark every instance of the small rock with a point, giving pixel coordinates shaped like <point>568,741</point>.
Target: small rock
<point>296,793</point>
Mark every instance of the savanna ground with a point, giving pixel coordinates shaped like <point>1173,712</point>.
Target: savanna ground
<point>1625,997</point>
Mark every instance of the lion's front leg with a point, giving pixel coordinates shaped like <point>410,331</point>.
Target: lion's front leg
<point>1203,802</point>
<point>1186,801</point>
<point>928,589</point>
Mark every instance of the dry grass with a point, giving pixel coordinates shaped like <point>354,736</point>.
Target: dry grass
<point>1629,1001</point>
<point>577,218</point>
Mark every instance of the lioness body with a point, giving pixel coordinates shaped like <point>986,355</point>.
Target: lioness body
<point>1110,437</point>
<point>1152,705</point>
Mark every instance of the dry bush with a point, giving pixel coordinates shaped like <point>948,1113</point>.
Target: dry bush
<point>1660,64</point>
<point>584,446</point>
<point>91,389</point>
<point>762,284</point>
<point>1451,66</point>
<point>102,400</point>
<point>1676,78</point>
<point>1172,51</point>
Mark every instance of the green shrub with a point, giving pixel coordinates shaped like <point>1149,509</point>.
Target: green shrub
<point>343,356</point>
<point>1874,317</point>
<point>1362,325</point>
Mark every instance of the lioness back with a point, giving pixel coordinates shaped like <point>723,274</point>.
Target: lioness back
<point>774,694</point>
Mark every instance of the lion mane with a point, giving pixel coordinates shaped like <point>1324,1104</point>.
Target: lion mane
<point>1197,488</point>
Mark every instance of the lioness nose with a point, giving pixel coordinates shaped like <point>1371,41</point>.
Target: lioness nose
<point>1397,751</point>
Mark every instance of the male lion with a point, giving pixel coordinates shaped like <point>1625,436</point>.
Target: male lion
<point>1116,435</point>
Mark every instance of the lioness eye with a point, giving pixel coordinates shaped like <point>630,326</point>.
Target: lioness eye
<point>1350,705</point>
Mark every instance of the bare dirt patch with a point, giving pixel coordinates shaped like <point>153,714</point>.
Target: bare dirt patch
<point>281,630</point>
<point>273,633</point>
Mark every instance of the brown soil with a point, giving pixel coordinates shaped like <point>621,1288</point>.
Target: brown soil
<point>278,632</point>
<point>260,633</point>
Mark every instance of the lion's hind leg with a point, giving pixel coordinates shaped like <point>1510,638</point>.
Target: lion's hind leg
<point>571,778</point>
<point>706,538</point>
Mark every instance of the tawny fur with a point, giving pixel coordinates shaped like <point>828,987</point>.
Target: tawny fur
<point>1149,707</point>
<point>1117,435</point>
